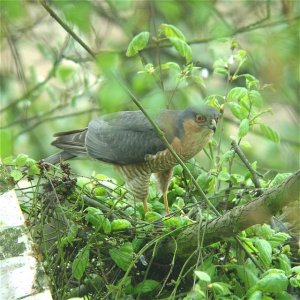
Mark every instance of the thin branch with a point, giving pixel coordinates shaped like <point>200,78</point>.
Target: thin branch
<point>244,29</point>
<point>66,27</point>
<point>244,159</point>
<point>16,56</point>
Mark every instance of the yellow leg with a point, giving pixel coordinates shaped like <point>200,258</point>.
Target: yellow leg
<point>164,180</point>
<point>145,205</point>
<point>166,203</point>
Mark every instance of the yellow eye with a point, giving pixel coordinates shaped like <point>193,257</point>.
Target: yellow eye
<point>200,119</point>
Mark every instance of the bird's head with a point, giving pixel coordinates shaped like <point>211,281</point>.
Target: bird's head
<point>198,117</point>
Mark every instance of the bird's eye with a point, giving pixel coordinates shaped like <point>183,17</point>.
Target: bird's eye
<point>200,119</point>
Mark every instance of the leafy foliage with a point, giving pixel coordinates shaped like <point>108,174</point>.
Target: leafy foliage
<point>88,230</point>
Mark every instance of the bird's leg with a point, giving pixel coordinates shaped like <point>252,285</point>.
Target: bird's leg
<point>163,179</point>
<point>137,181</point>
<point>145,204</point>
<point>139,187</point>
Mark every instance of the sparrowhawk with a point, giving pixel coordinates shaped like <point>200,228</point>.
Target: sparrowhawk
<point>128,141</point>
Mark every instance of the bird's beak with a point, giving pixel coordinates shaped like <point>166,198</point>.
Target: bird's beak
<point>213,125</point>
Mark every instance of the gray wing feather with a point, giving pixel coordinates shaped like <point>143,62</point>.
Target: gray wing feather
<point>122,138</point>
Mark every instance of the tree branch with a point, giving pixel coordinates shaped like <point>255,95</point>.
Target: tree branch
<point>239,218</point>
<point>66,27</point>
<point>244,159</point>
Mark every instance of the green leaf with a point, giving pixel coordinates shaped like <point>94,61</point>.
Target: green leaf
<point>296,270</point>
<point>237,178</point>
<point>203,180</point>
<point>127,287</point>
<point>273,282</point>
<point>95,217</point>
<point>171,31</point>
<point>251,82</point>
<point>224,176</point>
<point>179,190</point>
<point>146,286</point>
<point>30,162</point>
<point>203,276</point>
<point>220,62</point>
<point>34,170</point>
<point>173,222</point>
<point>138,43</point>
<point>122,256</point>
<point>220,70</point>
<point>152,216</point>
<point>21,160</point>
<point>221,288</point>
<point>106,226</point>
<point>278,238</point>
<point>295,282</point>
<point>257,295</point>
<point>279,178</point>
<point>120,224</point>
<point>182,48</point>
<point>80,263</point>
<point>270,133</point>
<point>227,155</point>
<point>238,111</point>
<point>236,94</point>
<point>264,251</point>
<point>213,100</point>
<point>84,183</point>
<point>9,160</point>
<point>16,174</point>
<point>284,263</point>
<point>180,203</point>
<point>99,191</point>
<point>170,65</point>
<point>256,98</point>
<point>263,231</point>
<point>248,273</point>
<point>72,233</point>
<point>244,128</point>
<point>284,296</point>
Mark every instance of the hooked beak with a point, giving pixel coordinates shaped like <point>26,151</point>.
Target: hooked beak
<point>213,125</point>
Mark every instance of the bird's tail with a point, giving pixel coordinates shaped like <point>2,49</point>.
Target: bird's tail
<point>71,142</point>
<point>58,157</point>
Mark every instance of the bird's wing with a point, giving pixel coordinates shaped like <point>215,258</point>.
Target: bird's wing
<point>126,137</point>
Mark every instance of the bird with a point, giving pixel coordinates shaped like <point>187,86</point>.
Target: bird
<point>128,141</point>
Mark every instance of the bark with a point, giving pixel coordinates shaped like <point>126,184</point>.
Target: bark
<point>239,218</point>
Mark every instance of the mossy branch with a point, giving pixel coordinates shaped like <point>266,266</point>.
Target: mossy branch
<point>239,218</point>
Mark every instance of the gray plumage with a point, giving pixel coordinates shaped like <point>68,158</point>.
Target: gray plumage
<point>124,137</point>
